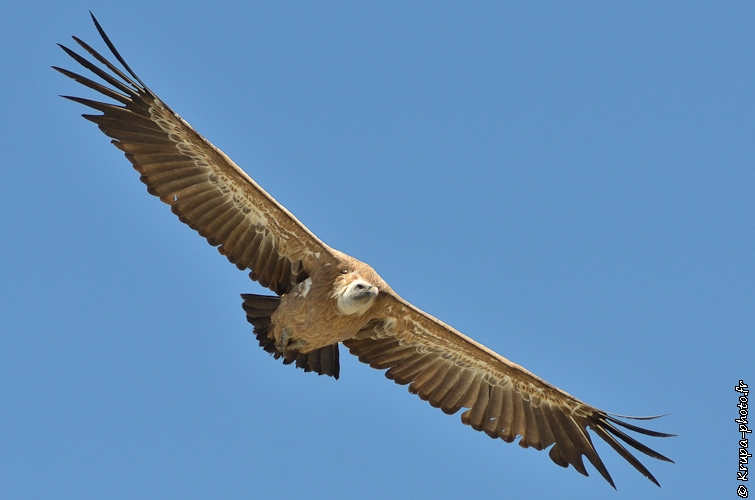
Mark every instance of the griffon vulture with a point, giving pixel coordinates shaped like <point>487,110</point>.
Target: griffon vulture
<point>325,297</point>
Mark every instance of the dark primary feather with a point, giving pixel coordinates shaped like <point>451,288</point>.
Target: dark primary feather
<point>114,51</point>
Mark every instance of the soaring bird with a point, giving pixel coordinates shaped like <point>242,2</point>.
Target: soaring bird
<point>324,297</point>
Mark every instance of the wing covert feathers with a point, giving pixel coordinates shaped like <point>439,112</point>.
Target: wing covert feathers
<point>204,188</point>
<point>502,399</point>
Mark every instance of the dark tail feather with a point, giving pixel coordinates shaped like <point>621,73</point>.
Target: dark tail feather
<point>259,309</point>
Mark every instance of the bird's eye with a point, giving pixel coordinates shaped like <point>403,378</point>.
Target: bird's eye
<point>359,286</point>
<point>344,271</point>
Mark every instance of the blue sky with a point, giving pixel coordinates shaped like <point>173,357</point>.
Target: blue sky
<point>572,186</point>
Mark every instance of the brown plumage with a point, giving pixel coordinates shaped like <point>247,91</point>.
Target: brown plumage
<point>325,297</point>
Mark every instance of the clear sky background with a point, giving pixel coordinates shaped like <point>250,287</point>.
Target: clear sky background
<point>572,186</point>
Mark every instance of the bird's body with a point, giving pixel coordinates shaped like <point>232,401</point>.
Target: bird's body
<point>311,315</point>
<point>324,297</point>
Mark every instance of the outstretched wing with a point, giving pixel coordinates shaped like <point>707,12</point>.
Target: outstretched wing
<point>204,187</point>
<point>504,400</point>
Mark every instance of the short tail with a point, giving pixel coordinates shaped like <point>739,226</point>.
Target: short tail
<point>259,309</point>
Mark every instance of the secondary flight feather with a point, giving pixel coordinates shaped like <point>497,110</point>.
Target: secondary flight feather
<point>324,297</point>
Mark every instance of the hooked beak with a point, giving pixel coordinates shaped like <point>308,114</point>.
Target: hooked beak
<point>370,292</point>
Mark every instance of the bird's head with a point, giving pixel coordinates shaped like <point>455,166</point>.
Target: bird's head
<point>354,294</point>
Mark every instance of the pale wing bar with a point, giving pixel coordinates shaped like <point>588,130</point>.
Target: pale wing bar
<point>204,188</point>
<point>504,401</point>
